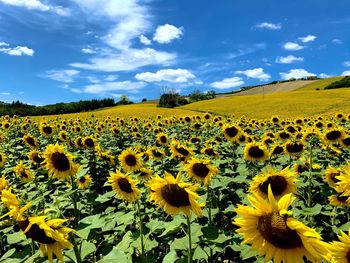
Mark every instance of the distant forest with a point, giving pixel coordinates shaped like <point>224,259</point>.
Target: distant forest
<point>21,109</point>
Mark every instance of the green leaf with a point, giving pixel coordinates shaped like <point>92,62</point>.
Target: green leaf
<point>210,232</point>
<point>171,257</point>
<point>315,210</point>
<point>199,253</point>
<point>87,248</point>
<point>116,255</point>
<point>8,254</point>
<point>15,238</point>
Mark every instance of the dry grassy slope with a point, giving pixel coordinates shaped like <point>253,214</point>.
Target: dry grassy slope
<point>267,89</point>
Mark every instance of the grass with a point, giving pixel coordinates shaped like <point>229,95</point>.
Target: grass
<point>288,105</point>
<point>320,84</point>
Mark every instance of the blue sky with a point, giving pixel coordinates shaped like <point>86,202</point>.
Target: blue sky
<point>67,50</point>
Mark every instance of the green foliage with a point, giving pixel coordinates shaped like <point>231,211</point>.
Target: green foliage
<point>343,83</point>
<point>171,100</point>
<point>198,96</point>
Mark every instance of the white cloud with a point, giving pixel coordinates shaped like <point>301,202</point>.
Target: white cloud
<point>170,75</point>
<point>129,18</point>
<point>227,83</point>
<point>66,76</point>
<point>245,51</point>
<point>324,75</point>
<point>5,93</point>
<point>128,60</point>
<point>111,78</point>
<point>112,86</point>
<point>256,73</point>
<point>88,51</point>
<point>346,73</point>
<point>15,51</point>
<point>166,33</point>
<point>144,40</point>
<point>289,59</point>
<point>308,38</point>
<point>292,46</point>
<point>37,5</point>
<point>93,79</point>
<point>269,26</point>
<point>295,73</point>
<point>346,64</point>
<point>337,41</point>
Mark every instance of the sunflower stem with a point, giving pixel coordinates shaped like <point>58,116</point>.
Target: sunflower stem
<point>189,256</point>
<point>76,251</point>
<point>141,227</point>
<point>309,179</point>
<point>209,204</point>
<point>74,200</point>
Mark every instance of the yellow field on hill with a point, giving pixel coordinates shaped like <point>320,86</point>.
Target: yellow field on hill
<point>320,84</point>
<point>125,111</point>
<point>287,105</point>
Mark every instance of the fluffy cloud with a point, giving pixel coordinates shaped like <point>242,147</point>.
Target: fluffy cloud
<point>324,75</point>
<point>292,46</point>
<point>346,64</point>
<point>295,73</point>
<point>107,87</point>
<point>129,59</point>
<point>227,83</point>
<point>88,51</point>
<point>111,78</point>
<point>130,19</point>
<point>256,73</point>
<point>289,59</point>
<point>144,40</point>
<point>308,38</point>
<point>37,5</point>
<point>66,76</point>
<point>15,51</point>
<point>269,26</point>
<point>169,75</point>
<point>346,73</point>
<point>166,33</point>
<point>337,41</point>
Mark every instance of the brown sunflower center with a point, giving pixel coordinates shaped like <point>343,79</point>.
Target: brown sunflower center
<point>256,152</point>
<point>209,151</point>
<point>157,153</point>
<point>284,135</point>
<point>342,198</point>
<point>130,160</point>
<point>348,255</point>
<point>333,135</point>
<point>163,139</point>
<point>200,169</point>
<point>274,229</point>
<point>277,150</point>
<point>89,142</point>
<point>278,185</point>
<point>125,185</point>
<point>30,141</point>
<point>295,147</point>
<point>346,141</point>
<point>37,158</point>
<point>332,177</point>
<point>175,195</point>
<point>183,151</point>
<point>231,131</point>
<point>47,130</point>
<point>60,161</point>
<point>24,174</point>
<point>82,179</point>
<point>36,233</point>
<point>0,158</point>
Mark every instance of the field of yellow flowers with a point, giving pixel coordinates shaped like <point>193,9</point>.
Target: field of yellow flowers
<point>181,187</point>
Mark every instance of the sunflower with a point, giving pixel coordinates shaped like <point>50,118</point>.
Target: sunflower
<point>330,175</point>
<point>255,152</point>
<point>346,142</point>
<point>230,132</point>
<point>46,129</point>
<point>339,200</point>
<point>130,160</point>
<point>23,172</point>
<point>333,135</point>
<point>284,135</point>
<point>201,170</point>
<point>124,186</point>
<point>58,162</point>
<point>51,235</point>
<point>3,159</point>
<point>210,152</point>
<point>11,201</point>
<point>340,250</point>
<point>294,148</point>
<point>105,155</point>
<point>3,184</point>
<point>35,156</point>
<point>174,195</point>
<point>281,182</point>
<point>145,173</point>
<point>78,142</point>
<point>276,150</point>
<point>162,138</point>
<point>180,151</point>
<point>30,140</point>
<point>63,136</point>
<point>267,226</point>
<point>156,153</point>
<point>89,142</point>
<point>84,181</point>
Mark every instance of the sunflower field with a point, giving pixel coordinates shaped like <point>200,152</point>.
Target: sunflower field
<point>198,188</point>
